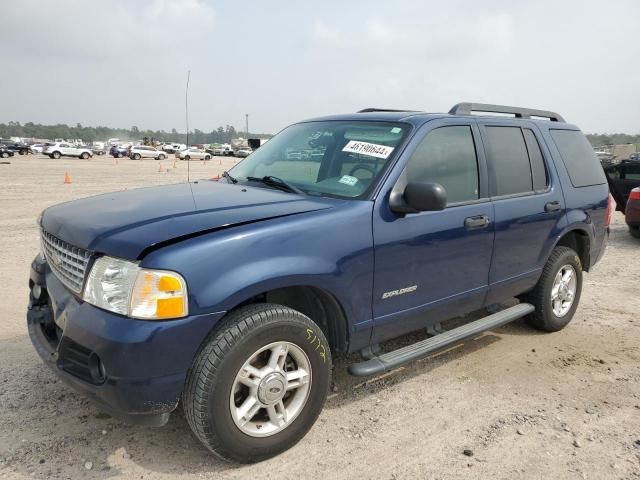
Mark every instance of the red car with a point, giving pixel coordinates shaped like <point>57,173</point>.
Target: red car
<point>632,212</point>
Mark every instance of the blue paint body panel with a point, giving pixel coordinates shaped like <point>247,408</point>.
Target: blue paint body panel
<point>234,242</point>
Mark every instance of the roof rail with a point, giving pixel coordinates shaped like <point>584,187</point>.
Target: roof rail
<point>466,108</point>
<point>368,110</point>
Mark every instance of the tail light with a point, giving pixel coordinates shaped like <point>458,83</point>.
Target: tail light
<point>634,194</point>
<point>610,208</point>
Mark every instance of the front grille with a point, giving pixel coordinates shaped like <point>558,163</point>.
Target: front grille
<point>67,262</point>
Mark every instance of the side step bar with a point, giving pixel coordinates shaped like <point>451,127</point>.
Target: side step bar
<point>391,360</point>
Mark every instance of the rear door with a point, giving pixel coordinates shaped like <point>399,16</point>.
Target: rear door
<point>528,204</point>
<point>430,266</point>
<point>622,179</point>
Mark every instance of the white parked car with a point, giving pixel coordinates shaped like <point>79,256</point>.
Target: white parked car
<point>243,152</point>
<point>62,149</point>
<point>193,153</point>
<point>37,147</point>
<point>223,150</point>
<point>141,151</point>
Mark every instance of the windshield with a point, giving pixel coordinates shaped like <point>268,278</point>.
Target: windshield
<point>334,158</point>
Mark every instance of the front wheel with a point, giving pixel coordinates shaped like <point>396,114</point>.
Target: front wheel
<point>84,155</point>
<point>187,158</point>
<point>207,158</point>
<point>56,155</point>
<point>258,384</point>
<point>161,157</point>
<point>5,155</point>
<point>557,293</point>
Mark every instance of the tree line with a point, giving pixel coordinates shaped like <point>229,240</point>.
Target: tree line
<point>220,135</point>
<point>90,134</point>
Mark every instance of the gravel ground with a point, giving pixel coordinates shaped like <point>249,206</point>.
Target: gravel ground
<point>522,404</point>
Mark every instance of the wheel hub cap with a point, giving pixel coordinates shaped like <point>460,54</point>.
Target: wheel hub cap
<point>563,290</point>
<point>272,388</point>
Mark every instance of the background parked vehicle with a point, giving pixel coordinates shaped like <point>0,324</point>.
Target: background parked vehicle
<point>243,152</point>
<point>119,151</point>
<point>16,147</point>
<point>624,183</point>
<point>37,147</point>
<point>5,152</point>
<point>193,154</point>
<point>143,151</point>
<point>61,149</point>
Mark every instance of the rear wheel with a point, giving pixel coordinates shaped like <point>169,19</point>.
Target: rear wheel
<point>84,155</point>
<point>5,155</point>
<point>207,157</point>
<point>258,384</point>
<point>187,157</point>
<point>56,155</point>
<point>557,293</point>
<point>136,156</point>
<point>118,155</point>
<point>161,156</point>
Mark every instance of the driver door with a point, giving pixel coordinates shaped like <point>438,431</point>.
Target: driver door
<point>431,266</point>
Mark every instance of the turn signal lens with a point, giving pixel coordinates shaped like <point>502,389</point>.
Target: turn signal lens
<point>159,295</point>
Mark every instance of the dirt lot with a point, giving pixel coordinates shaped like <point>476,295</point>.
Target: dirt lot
<point>528,405</point>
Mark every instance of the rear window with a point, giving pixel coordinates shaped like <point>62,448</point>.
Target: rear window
<point>579,158</point>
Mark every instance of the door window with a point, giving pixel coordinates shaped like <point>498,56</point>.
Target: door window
<point>509,161</point>
<point>447,155</point>
<point>538,168</point>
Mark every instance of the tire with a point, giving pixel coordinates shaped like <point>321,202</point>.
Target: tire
<point>161,157</point>
<point>634,231</point>
<point>213,377</point>
<point>207,157</point>
<point>5,155</point>
<point>84,155</point>
<point>187,158</point>
<point>56,155</point>
<point>118,155</point>
<point>545,317</point>
<point>136,156</point>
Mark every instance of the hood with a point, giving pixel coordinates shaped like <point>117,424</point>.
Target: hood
<point>126,223</point>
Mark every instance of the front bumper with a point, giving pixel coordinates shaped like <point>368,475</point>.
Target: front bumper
<point>134,369</point>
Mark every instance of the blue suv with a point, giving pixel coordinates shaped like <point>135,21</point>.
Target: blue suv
<point>233,296</point>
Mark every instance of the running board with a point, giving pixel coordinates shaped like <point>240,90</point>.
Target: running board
<point>391,360</point>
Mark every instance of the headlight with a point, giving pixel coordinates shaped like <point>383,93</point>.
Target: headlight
<point>123,287</point>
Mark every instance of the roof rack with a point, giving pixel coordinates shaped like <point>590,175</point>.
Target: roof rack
<point>466,108</point>
<point>368,110</point>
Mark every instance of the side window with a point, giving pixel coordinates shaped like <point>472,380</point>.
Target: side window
<point>509,161</point>
<point>579,158</point>
<point>447,155</point>
<point>538,168</point>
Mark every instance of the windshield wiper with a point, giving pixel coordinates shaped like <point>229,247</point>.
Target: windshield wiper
<point>276,182</point>
<point>228,176</point>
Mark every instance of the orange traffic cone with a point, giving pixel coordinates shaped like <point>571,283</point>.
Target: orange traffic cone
<point>115,161</point>
<point>174,164</point>
<point>220,162</point>
<point>67,177</point>
<point>160,169</point>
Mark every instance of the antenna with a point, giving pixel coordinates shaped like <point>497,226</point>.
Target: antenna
<point>186,114</point>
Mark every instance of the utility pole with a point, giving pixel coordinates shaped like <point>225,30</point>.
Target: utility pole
<point>246,119</point>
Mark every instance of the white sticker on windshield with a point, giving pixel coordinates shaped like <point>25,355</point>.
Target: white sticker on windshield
<point>366,148</point>
<point>348,180</point>
<point>396,130</point>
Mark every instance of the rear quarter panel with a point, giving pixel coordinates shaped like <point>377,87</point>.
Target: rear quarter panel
<point>585,207</point>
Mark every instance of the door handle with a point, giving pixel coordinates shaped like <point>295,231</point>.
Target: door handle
<point>552,207</point>
<point>473,223</point>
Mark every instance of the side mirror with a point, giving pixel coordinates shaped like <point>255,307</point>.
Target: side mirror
<point>419,197</point>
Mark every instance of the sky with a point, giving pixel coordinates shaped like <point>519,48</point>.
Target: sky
<point>121,63</point>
